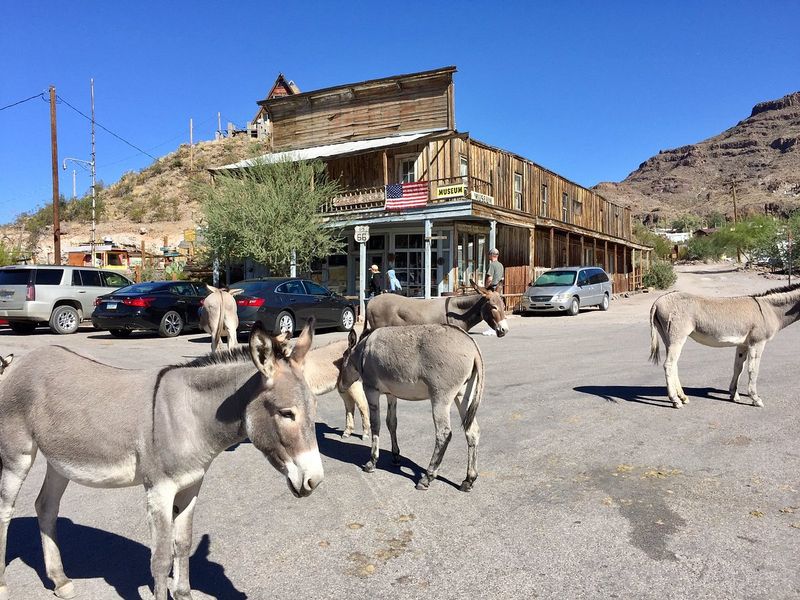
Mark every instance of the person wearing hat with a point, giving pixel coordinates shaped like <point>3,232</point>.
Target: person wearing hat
<point>494,274</point>
<point>375,281</point>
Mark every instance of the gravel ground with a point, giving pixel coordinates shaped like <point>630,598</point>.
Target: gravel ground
<point>591,485</point>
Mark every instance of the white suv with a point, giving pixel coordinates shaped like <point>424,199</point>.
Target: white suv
<point>58,296</point>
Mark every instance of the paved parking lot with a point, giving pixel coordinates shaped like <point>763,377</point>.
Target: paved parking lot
<point>591,485</point>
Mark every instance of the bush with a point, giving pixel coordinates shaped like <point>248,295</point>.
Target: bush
<point>705,248</point>
<point>661,275</point>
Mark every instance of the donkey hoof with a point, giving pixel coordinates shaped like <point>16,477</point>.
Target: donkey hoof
<point>423,485</point>
<point>365,436</point>
<point>466,486</point>
<point>347,433</point>
<point>64,591</point>
<point>676,404</point>
<point>758,402</point>
<point>396,460</point>
<point>3,592</point>
<point>369,467</point>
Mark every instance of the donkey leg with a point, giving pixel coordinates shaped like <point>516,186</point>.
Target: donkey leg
<point>47,505</point>
<point>357,393</point>
<point>373,399</point>
<point>349,411</point>
<point>391,425</point>
<point>160,500</point>
<point>185,502</point>
<point>738,364</point>
<point>671,371</point>
<point>473,435</point>
<point>754,353</point>
<point>13,473</point>
<point>441,422</point>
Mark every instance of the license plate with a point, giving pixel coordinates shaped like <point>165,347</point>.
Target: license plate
<point>111,306</point>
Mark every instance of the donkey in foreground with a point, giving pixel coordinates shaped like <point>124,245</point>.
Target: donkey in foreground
<point>219,317</point>
<point>464,312</point>
<point>419,362</point>
<point>161,429</point>
<point>747,322</point>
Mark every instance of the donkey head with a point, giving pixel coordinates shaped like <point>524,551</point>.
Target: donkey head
<point>280,420</point>
<point>350,368</point>
<point>492,309</point>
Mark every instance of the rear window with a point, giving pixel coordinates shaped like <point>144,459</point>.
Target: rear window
<point>555,278</point>
<point>144,288</point>
<point>598,276</point>
<point>250,288</point>
<point>14,276</point>
<point>114,280</point>
<point>49,276</point>
<point>91,278</point>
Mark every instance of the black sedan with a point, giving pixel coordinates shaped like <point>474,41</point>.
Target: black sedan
<point>284,304</point>
<point>168,307</point>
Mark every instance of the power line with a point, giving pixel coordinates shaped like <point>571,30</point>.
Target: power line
<point>120,138</point>
<point>39,95</point>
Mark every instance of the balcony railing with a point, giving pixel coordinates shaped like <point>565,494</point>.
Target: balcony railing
<point>459,189</point>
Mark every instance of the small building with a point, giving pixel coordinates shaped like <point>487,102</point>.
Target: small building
<point>437,200</point>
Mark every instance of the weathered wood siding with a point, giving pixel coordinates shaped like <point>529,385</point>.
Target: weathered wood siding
<point>361,112</point>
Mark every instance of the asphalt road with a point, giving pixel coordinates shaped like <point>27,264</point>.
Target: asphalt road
<point>591,485</point>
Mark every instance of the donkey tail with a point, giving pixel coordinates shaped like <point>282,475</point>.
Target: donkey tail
<point>474,391</point>
<point>655,349</point>
<point>221,320</point>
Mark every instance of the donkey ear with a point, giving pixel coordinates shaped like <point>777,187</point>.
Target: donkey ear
<point>281,343</point>
<point>303,344</point>
<point>481,290</point>
<point>212,289</point>
<point>5,361</point>
<point>352,339</point>
<point>261,350</point>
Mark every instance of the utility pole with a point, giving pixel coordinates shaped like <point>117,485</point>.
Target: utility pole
<point>790,257</point>
<point>54,159</point>
<point>191,145</point>
<point>93,242</point>
<point>735,218</point>
<point>219,123</point>
<point>74,189</point>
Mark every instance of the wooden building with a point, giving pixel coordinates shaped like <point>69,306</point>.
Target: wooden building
<point>402,129</point>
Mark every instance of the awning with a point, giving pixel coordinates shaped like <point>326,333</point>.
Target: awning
<point>330,150</point>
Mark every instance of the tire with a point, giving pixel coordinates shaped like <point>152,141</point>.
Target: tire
<point>22,327</point>
<point>605,303</point>
<point>284,323</point>
<point>171,324</point>
<point>64,320</point>
<point>347,320</point>
<point>120,333</point>
<point>574,307</point>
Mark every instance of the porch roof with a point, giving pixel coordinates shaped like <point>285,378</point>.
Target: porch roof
<point>329,150</point>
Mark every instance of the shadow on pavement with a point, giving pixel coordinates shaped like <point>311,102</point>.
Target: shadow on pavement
<point>653,395</point>
<point>124,564</point>
<point>358,454</point>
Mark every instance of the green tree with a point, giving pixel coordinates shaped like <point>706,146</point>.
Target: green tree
<point>9,253</point>
<point>687,222</point>
<point>662,247</point>
<point>268,210</point>
<point>756,238</point>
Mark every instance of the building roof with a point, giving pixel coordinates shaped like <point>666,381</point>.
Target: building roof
<point>330,150</point>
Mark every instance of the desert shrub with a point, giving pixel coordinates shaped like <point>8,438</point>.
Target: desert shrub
<point>704,248</point>
<point>662,247</point>
<point>135,210</point>
<point>661,275</point>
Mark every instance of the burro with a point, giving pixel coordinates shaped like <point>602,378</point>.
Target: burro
<point>161,428</point>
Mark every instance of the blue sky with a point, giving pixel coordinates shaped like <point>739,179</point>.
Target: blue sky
<point>587,89</point>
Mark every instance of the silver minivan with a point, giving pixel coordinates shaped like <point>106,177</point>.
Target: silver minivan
<point>568,289</point>
<point>58,296</point>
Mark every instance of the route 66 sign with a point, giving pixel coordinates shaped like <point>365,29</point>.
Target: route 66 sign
<point>362,234</point>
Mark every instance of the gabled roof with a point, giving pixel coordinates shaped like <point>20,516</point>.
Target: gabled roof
<point>279,89</point>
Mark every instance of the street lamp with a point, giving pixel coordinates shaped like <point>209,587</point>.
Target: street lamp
<point>91,165</point>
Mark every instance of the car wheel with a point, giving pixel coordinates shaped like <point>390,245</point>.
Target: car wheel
<point>64,320</point>
<point>574,307</point>
<point>604,304</point>
<point>120,333</point>
<point>284,323</point>
<point>22,327</point>
<point>171,324</point>
<point>347,320</point>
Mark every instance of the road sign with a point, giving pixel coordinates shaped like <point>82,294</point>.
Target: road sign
<point>362,234</point>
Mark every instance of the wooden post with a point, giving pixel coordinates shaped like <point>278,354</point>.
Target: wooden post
<point>552,247</point>
<point>582,261</point>
<point>605,255</point>
<point>594,251</point>
<point>385,168</point>
<point>569,252</point>
<point>54,164</point>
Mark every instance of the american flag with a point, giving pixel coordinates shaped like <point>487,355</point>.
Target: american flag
<point>400,196</point>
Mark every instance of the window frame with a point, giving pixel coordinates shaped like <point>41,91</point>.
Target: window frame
<point>518,193</point>
<point>400,160</point>
<point>565,207</point>
<point>544,199</point>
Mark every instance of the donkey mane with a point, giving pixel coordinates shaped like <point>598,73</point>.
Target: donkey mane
<point>227,356</point>
<point>780,290</point>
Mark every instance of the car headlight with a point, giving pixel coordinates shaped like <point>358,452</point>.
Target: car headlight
<point>561,297</point>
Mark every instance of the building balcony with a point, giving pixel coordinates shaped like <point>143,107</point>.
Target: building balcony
<point>454,189</point>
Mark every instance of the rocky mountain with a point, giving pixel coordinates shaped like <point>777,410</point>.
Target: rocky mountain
<point>760,156</point>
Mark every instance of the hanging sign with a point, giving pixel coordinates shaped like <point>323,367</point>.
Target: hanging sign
<point>450,191</point>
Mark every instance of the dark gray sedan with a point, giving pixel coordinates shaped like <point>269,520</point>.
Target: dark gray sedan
<point>284,304</point>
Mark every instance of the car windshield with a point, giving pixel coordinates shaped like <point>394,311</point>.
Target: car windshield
<point>143,288</point>
<point>552,278</point>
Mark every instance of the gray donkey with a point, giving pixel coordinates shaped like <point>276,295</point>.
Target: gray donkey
<point>419,362</point>
<point>464,312</point>
<point>747,322</point>
<point>219,316</point>
<point>160,429</point>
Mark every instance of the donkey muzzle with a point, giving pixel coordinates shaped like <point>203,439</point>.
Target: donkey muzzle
<point>304,473</point>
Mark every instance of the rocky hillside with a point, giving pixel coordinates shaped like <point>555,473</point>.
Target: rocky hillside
<point>761,154</point>
<point>148,205</point>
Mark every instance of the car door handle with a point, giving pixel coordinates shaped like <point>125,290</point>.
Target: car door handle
<point>81,291</point>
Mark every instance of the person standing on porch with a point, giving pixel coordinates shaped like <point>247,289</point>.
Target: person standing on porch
<point>494,274</point>
<point>375,281</point>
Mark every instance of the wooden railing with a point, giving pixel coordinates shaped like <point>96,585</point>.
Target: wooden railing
<point>374,197</point>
